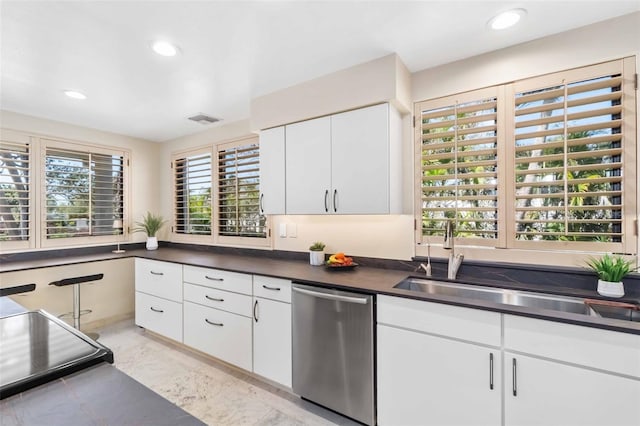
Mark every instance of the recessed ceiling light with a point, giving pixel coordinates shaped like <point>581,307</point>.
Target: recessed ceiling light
<point>506,19</point>
<point>73,94</point>
<point>164,48</point>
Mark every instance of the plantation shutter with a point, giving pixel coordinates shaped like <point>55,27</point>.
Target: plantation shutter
<point>15,193</point>
<point>458,165</point>
<point>192,213</point>
<point>84,193</point>
<point>570,159</point>
<point>238,190</point>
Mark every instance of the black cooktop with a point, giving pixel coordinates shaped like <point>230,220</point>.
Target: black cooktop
<point>38,347</point>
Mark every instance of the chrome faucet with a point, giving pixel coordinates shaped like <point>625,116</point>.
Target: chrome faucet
<point>454,260</point>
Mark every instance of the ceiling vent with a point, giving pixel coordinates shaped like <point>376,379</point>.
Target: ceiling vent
<point>204,119</point>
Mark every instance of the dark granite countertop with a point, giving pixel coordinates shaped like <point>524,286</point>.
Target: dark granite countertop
<point>366,279</point>
<point>98,395</point>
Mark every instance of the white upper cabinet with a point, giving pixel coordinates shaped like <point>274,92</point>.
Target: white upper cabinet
<point>308,158</point>
<point>347,163</point>
<point>272,171</point>
<point>360,153</point>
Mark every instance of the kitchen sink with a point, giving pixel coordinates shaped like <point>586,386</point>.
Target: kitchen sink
<point>528,299</point>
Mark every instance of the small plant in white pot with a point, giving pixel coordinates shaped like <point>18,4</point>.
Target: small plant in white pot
<point>316,253</point>
<point>611,270</point>
<point>150,225</point>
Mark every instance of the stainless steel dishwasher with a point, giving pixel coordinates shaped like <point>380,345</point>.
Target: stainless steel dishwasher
<point>333,350</point>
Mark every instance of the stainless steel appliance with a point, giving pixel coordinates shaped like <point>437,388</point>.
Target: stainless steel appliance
<point>333,350</point>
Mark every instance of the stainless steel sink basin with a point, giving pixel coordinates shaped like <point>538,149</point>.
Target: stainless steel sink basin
<point>498,295</point>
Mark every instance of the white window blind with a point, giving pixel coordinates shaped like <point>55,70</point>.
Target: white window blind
<point>192,214</point>
<point>458,162</point>
<point>238,191</point>
<point>569,159</point>
<point>84,193</point>
<point>15,191</point>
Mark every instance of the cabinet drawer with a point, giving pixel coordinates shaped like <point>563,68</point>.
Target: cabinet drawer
<point>227,301</point>
<point>223,280</point>
<point>221,334</point>
<point>473,325</point>
<point>591,347</point>
<point>272,288</point>
<point>159,315</point>
<point>162,279</point>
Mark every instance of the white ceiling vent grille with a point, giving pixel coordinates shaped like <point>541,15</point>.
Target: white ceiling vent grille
<point>204,119</point>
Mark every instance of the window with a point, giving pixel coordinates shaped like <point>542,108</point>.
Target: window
<point>459,165</point>
<point>83,192</point>
<point>238,191</point>
<point>15,192</point>
<point>544,163</point>
<point>192,173</point>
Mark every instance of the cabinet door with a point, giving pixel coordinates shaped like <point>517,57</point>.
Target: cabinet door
<point>428,380</point>
<point>272,171</point>
<point>308,168</point>
<point>222,334</point>
<point>272,340</point>
<point>360,161</point>
<point>159,315</point>
<point>550,393</point>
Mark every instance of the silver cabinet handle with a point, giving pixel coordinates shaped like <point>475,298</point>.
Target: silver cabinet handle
<point>326,198</point>
<point>255,311</point>
<point>348,299</point>
<point>515,380</point>
<point>335,202</point>
<point>260,203</point>
<point>156,273</point>
<point>491,371</point>
<point>271,288</point>
<point>156,310</point>
<point>213,278</point>
<point>218,324</point>
<point>213,298</point>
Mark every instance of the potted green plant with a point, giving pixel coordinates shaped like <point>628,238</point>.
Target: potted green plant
<point>611,269</point>
<point>150,225</point>
<point>316,253</point>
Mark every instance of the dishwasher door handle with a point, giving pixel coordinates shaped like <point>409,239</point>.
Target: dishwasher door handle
<point>348,299</point>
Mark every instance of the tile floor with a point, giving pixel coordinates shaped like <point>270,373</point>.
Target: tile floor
<point>209,390</point>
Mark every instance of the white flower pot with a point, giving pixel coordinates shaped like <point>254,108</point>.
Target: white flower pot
<point>152,243</point>
<point>316,258</point>
<point>609,289</point>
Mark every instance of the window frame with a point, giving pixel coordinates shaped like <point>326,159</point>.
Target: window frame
<point>237,240</point>
<point>188,237</point>
<point>17,138</point>
<point>46,143</point>
<point>549,252</point>
<point>214,238</point>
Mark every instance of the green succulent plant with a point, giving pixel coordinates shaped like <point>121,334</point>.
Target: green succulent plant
<point>317,246</point>
<point>150,224</point>
<point>611,268</point>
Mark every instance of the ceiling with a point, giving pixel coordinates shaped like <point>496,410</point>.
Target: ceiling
<point>233,51</point>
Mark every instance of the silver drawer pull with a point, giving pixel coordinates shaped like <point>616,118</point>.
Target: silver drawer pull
<point>156,310</point>
<point>156,273</point>
<point>213,278</point>
<point>213,298</point>
<point>219,324</point>
<point>271,288</point>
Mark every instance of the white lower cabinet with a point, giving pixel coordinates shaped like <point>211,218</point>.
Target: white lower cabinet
<point>426,379</point>
<point>272,329</point>
<point>434,368</point>
<point>159,315</point>
<point>224,335</point>
<point>547,393</point>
